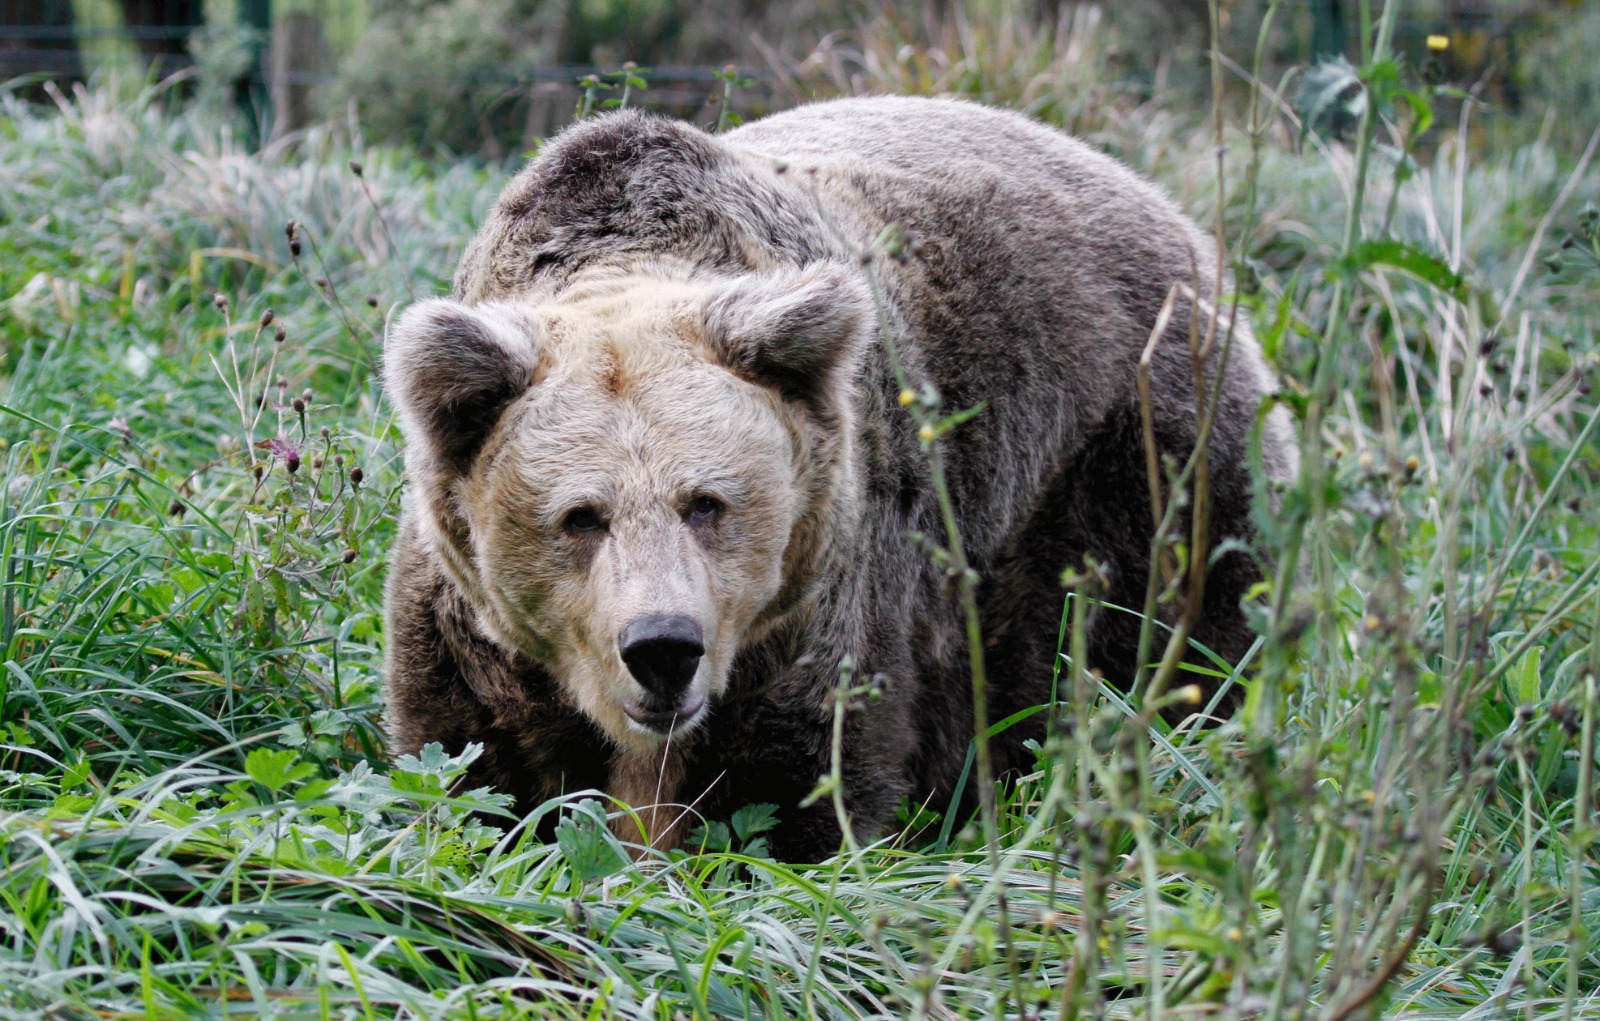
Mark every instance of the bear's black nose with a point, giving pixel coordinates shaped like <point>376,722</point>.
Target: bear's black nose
<point>662,653</point>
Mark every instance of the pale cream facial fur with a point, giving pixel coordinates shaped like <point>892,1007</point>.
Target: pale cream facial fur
<point>630,424</point>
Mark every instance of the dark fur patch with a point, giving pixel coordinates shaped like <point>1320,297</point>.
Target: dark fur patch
<point>611,376</point>
<point>634,184</point>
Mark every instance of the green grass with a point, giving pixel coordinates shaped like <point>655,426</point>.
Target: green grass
<point>198,818</point>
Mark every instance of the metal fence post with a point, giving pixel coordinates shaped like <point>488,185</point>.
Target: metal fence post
<point>1327,29</point>
<point>255,16</point>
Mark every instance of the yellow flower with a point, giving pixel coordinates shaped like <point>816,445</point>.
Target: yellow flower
<point>906,397</point>
<point>926,434</point>
<point>1438,42</point>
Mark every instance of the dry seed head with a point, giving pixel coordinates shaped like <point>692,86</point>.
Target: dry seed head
<point>299,406</point>
<point>294,249</point>
<point>356,167</point>
<point>292,463</point>
<point>357,475</point>
<point>372,301</point>
<point>220,300</point>
<point>266,318</point>
<point>1568,717</point>
<point>349,556</point>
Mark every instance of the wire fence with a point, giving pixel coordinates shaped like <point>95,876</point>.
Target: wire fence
<point>276,54</point>
<point>279,52</point>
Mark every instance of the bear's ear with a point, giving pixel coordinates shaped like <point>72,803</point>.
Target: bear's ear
<point>795,331</point>
<point>451,370</point>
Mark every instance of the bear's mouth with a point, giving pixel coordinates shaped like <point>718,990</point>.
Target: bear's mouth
<point>664,721</point>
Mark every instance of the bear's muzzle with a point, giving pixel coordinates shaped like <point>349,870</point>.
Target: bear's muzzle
<point>663,654</point>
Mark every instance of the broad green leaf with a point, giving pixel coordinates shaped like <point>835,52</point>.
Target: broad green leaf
<point>752,820</point>
<point>1428,268</point>
<point>587,844</point>
<point>276,769</point>
<point>1527,676</point>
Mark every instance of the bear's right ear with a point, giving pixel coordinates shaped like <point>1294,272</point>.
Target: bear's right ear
<point>451,369</point>
<point>795,330</point>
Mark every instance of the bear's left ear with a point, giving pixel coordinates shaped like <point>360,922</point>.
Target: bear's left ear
<point>795,331</point>
<point>451,370</point>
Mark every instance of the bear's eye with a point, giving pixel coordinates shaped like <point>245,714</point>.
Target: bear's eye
<point>584,521</point>
<point>703,510</point>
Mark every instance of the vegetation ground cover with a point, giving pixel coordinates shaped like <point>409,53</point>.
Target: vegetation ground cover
<point>198,818</point>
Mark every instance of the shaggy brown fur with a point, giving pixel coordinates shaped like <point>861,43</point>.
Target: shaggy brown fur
<point>660,395</point>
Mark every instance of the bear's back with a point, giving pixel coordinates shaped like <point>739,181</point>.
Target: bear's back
<point>928,138</point>
<point>1041,266</point>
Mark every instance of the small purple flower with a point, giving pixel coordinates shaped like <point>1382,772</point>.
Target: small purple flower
<point>282,446</point>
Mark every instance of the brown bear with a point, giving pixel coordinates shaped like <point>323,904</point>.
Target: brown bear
<point>662,486</point>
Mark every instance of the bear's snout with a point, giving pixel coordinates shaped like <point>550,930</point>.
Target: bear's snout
<point>663,654</point>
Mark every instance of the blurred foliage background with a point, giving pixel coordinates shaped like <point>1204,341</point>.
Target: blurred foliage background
<point>491,77</point>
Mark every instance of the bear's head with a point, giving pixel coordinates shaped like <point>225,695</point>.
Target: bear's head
<point>635,479</point>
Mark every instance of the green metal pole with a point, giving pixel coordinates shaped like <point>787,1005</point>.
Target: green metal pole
<point>255,100</point>
<point>1327,29</point>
